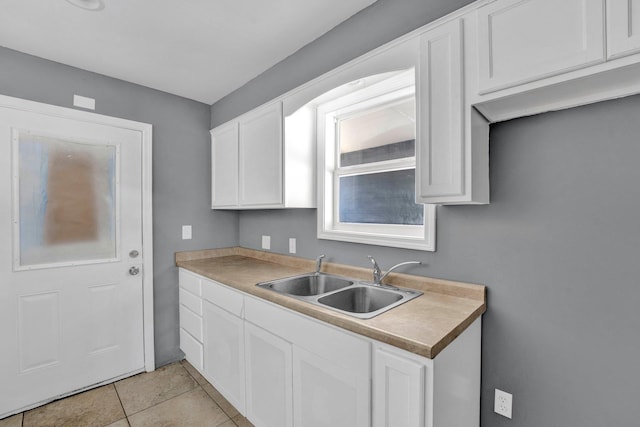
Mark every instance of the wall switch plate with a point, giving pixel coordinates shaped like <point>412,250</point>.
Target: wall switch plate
<point>186,232</point>
<point>266,242</point>
<point>292,245</point>
<point>84,102</point>
<point>502,403</point>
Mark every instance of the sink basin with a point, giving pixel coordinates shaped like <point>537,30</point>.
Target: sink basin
<point>361,299</point>
<point>367,301</point>
<point>308,284</point>
<point>349,296</point>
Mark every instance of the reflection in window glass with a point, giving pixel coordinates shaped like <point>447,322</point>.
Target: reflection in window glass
<point>385,132</point>
<point>67,203</point>
<point>380,198</point>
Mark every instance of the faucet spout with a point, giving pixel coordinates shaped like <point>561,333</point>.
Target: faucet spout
<point>377,273</point>
<point>378,276</point>
<point>319,263</point>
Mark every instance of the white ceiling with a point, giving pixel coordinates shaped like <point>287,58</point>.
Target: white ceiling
<point>198,49</point>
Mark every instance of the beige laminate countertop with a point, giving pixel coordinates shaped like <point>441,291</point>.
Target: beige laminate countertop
<point>425,325</point>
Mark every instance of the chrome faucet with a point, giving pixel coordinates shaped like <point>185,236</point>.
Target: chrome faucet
<point>378,276</point>
<point>319,263</point>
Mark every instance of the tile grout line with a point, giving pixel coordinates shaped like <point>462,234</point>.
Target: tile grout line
<point>198,385</point>
<point>121,405</point>
<point>166,400</point>
<point>205,391</point>
<point>216,403</point>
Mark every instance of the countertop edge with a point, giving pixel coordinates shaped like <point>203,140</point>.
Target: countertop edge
<point>476,294</point>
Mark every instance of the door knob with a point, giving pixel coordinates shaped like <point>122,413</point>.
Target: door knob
<point>134,270</point>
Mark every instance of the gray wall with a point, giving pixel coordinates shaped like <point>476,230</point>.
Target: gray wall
<point>380,23</point>
<point>181,187</point>
<point>557,247</point>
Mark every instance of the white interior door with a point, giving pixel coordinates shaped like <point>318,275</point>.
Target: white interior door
<point>71,295</point>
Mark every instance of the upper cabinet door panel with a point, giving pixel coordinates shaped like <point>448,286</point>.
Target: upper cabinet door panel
<point>224,166</point>
<point>623,27</point>
<point>439,154</point>
<point>261,165</point>
<point>525,40</point>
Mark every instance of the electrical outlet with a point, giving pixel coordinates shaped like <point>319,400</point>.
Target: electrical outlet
<point>84,102</point>
<point>186,232</point>
<point>292,245</point>
<point>502,403</point>
<point>266,242</point>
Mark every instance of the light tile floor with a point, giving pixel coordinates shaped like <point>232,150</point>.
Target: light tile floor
<point>174,395</point>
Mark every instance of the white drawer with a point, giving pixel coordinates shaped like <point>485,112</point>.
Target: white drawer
<point>223,296</point>
<point>190,282</point>
<point>191,348</point>
<point>191,301</point>
<point>191,322</point>
<point>344,349</point>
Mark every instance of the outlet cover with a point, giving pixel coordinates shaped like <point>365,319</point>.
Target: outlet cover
<point>502,403</point>
<point>84,102</point>
<point>186,232</point>
<point>292,245</point>
<point>266,242</point>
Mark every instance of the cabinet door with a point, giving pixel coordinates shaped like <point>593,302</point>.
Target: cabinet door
<point>224,166</point>
<point>439,153</point>
<point>623,27</point>
<point>525,40</point>
<point>269,382</point>
<point>224,353</point>
<point>261,165</point>
<point>398,391</point>
<point>326,394</point>
<point>192,349</point>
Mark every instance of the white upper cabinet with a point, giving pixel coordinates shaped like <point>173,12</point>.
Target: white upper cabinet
<point>452,151</point>
<point>255,165</point>
<point>623,27</point>
<point>260,148</point>
<point>439,153</point>
<point>224,166</point>
<point>526,40</point>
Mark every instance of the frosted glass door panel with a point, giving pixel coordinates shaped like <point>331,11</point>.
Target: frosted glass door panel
<point>66,201</point>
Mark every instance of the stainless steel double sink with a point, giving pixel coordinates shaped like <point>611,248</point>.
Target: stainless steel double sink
<point>349,296</point>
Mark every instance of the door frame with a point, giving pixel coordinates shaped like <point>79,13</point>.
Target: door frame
<point>145,130</point>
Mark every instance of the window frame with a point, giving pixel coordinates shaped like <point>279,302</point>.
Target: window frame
<point>395,89</point>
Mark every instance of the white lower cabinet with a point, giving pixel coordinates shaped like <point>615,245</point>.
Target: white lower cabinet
<point>269,383</point>
<point>398,390</point>
<point>327,371</point>
<point>327,394</point>
<point>413,391</point>
<point>190,311</point>
<point>283,369</point>
<point>224,353</point>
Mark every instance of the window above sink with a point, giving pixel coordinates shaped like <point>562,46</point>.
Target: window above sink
<point>366,148</point>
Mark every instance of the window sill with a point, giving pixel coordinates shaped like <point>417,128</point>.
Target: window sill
<point>426,242</point>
